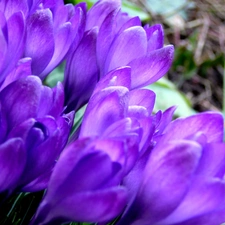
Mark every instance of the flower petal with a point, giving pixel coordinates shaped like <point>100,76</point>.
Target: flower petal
<point>104,109</point>
<point>78,89</point>
<point>12,162</point>
<point>99,11</point>
<point>155,37</point>
<point>129,45</point>
<point>40,40</point>
<point>209,123</point>
<point>21,96</point>
<point>150,68</point>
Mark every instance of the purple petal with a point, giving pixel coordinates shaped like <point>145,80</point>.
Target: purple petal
<point>3,44</point>
<point>208,123</point>
<point>39,183</point>
<point>147,132</point>
<point>154,200</point>
<point>99,12</point>
<point>113,148</point>
<point>23,69</point>
<point>12,162</point>
<point>42,143</point>
<point>78,25</point>
<point>150,68</point>
<point>215,217</point>
<point>12,6</point>
<point>109,28</point>
<point>129,131</point>
<point>21,100</point>
<point>142,97</point>
<point>212,161</point>
<point>46,101</point>
<point>97,206</point>
<point>207,197</point>
<point>58,101</point>
<point>155,37</point>
<point>63,40</point>
<point>22,130</point>
<point>103,110</point>
<point>123,127</point>
<point>129,45</point>
<point>117,77</point>
<point>79,88</point>
<point>131,22</point>
<point>40,40</point>
<point>118,151</point>
<point>166,118</point>
<point>15,25</point>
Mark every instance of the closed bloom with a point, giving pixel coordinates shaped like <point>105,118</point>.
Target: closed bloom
<point>93,167</point>
<point>34,131</point>
<point>84,184</point>
<point>183,179</point>
<point>41,30</point>
<point>113,39</point>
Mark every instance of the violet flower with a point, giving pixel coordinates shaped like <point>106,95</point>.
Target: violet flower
<point>34,131</point>
<point>119,124</point>
<point>113,104</point>
<point>183,179</point>
<point>84,184</point>
<point>41,30</point>
<point>112,40</point>
<point>50,34</point>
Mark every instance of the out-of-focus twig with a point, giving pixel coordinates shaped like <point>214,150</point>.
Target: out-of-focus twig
<point>202,39</point>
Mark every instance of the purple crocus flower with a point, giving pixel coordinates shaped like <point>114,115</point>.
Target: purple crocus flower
<point>34,131</point>
<point>41,30</point>
<point>113,39</point>
<point>50,34</point>
<point>115,126</point>
<point>182,181</point>
<point>113,104</point>
<point>84,184</point>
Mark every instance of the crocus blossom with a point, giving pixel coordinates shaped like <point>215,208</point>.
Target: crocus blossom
<point>84,184</point>
<point>113,39</point>
<point>182,181</point>
<point>38,30</point>
<point>123,162</point>
<point>33,133</point>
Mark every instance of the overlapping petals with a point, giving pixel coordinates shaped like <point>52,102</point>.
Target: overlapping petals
<point>116,41</point>
<point>92,194</point>
<point>32,127</point>
<point>182,180</point>
<point>41,30</point>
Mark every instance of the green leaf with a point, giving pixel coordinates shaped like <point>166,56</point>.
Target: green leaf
<point>165,6</point>
<point>167,95</point>
<point>133,10</point>
<point>90,3</point>
<point>55,76</point>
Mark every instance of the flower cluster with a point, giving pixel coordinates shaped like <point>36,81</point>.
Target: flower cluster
<point>123,164</point>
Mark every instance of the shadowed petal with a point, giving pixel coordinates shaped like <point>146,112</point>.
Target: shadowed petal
<point>21,96</point>
<point>12,162</point>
